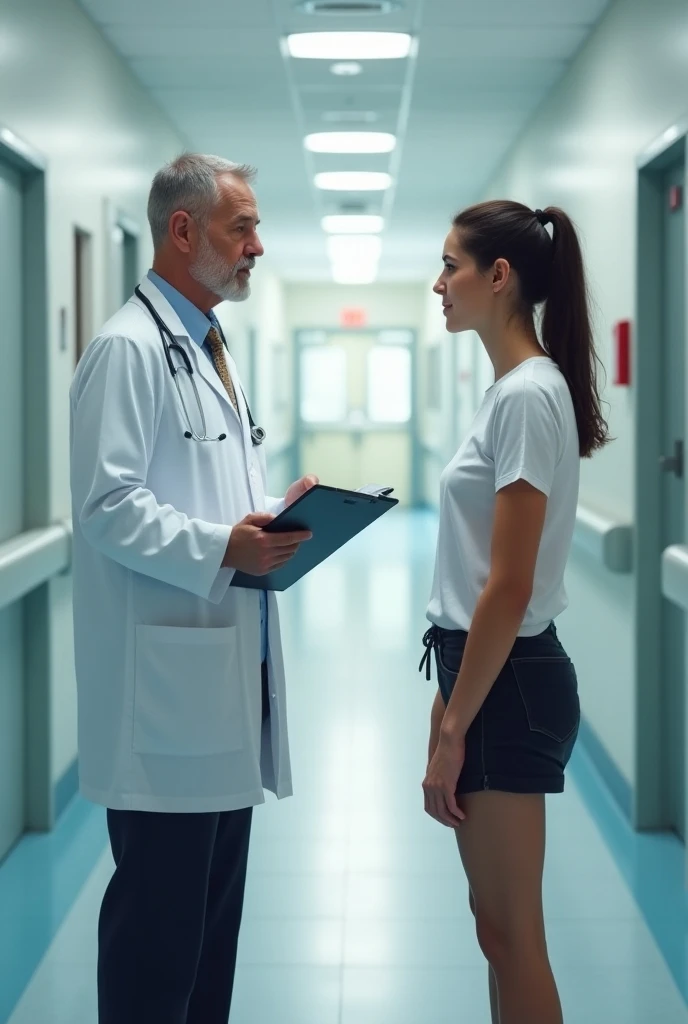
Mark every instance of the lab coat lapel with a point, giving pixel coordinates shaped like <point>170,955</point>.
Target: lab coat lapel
<point>163,309</point>
<point>206,369</point>
<point>241,402</point>
<point>256,483</point>
<point>200,363</point>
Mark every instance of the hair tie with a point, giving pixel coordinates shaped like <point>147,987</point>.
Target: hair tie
<point>543,218</point>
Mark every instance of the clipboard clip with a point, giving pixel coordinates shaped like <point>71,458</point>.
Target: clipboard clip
<point>375,491</point>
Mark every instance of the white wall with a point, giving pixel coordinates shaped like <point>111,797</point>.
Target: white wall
<point>386,305</point>
<point>66,93</point>
<point>629,83</point>
<point>264,315</point>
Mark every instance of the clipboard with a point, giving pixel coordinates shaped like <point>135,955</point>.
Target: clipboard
<point>333,516</point>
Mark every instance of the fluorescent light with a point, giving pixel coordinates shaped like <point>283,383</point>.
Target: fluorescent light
<point>353,181</point>
<point>347,69</point>
<point>353,275</point>
<point>349,45</point>
<point>350,142</point>
<point>355,249</point>
<point>354,258</point>
<point>352,224</point>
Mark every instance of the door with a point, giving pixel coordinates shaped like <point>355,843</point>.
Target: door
<point>83,290</point>
<point>12,744</point>
<point>124,259</point>
<point>356,421</point>
<point>673,674</point>
<point>130,263</point>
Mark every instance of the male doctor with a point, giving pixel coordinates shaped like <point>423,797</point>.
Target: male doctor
<point>182,716</point>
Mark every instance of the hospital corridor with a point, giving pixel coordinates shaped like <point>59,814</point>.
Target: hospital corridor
<point>343,515</point>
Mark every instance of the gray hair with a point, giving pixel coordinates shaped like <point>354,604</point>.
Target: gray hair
<point>189,183</point>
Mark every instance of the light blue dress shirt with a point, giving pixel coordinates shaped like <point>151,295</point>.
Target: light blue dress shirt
<point>198,324</point>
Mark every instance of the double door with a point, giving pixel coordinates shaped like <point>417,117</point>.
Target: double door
<point>356,417</point>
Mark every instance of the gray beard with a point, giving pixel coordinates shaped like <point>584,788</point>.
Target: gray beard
<point>211,271</point>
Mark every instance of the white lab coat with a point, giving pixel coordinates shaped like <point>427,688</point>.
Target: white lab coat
<point>167,653</point>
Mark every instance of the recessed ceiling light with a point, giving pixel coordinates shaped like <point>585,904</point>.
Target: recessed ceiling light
<point>353,181</point>
<point>359,250</point>
<point>350,116</point>
<point>347,68</point>
<point>343,224</point>
<point>354,275</point>
<point>349,45</point>
<point>350,142</point>
<point>354,258</point>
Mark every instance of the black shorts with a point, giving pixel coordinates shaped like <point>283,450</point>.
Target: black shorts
<point>524,734</point>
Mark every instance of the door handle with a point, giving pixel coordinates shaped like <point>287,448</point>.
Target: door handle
<point>673,463</point>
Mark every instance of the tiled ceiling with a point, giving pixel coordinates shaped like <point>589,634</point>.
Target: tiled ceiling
<point>482,67</point>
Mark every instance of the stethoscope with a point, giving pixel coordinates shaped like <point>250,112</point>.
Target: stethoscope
<point>257,433</point>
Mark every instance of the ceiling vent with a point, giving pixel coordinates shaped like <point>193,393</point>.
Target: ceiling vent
<point>348,7</point>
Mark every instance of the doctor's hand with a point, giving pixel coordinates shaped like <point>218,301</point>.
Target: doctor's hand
<point>299,488</point>
<point>257,553</point>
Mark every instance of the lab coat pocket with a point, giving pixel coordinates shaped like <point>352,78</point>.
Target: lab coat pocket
<point>189,699</point>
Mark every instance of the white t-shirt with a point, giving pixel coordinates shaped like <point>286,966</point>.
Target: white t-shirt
<point>525,429</point>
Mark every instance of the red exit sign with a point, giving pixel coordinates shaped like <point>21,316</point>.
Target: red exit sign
<point>353,317</point>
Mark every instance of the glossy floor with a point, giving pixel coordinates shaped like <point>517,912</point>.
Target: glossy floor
<point>356,908</point>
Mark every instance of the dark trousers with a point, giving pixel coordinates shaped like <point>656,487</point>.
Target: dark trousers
<point>169,924</point>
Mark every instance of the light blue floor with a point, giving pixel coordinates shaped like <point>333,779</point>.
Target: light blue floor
<point>356,910</point>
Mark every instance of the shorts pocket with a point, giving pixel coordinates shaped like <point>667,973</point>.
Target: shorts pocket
<point>549,691</point>
<point>188,697</point>
<point>449,657</point>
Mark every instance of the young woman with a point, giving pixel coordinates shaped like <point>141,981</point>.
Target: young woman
<point>506,714</point>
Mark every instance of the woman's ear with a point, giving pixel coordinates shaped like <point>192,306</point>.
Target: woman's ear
<point>501,272</point>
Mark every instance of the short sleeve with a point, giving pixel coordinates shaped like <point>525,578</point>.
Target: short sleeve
<point>527,436</point>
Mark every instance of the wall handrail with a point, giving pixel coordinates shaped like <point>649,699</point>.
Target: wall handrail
<point>675,574</point>
<point>32,558</point>
<point>609,541</point>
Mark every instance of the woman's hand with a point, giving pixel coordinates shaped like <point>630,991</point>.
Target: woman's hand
<point>442,779</point>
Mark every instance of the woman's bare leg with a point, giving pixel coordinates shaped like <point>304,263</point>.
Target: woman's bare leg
<point>502,846</point>
<point>492,980</point>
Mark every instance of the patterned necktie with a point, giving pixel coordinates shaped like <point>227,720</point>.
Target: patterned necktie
<point>214,343</point>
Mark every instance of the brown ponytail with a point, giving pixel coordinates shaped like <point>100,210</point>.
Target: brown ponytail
<point>550,271</point>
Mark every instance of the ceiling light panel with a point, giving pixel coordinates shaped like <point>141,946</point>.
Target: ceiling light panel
<point>356,249</point>
<point>349,45</point>
<point>352,224</point>
<point>350,142</point>
<point>354,275</point>
<point>353,181</point>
